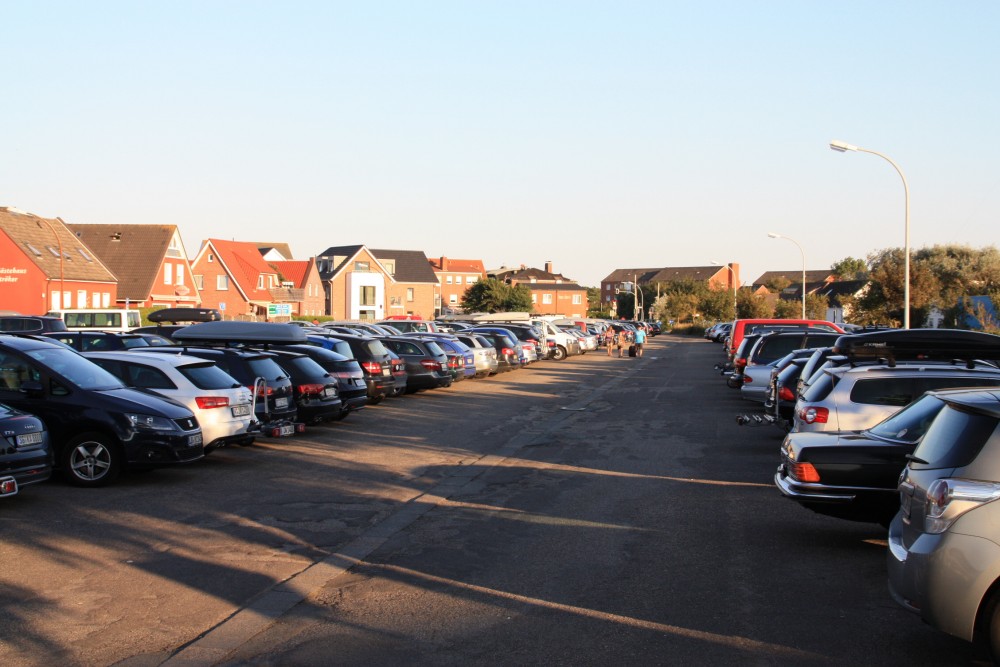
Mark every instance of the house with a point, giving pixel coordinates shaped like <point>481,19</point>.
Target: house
<point>275,252</point>
<point>233,278</point>
<point>149,260</point>
<point>455,276</point>
<point>836,293</point>
<point>815,280</point>
<point>551,293</point>
<point>413,288</point>
<point>44,266</point>
<point>300,285</point>
<point>716,275</point>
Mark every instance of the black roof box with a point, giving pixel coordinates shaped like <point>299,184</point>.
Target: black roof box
<point>241,332</point>
<point>174,315</point>
<point>919,344</point>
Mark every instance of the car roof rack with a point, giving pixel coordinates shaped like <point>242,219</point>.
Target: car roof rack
<point>919,345</point>
<point>175,315</point>
<point>247,333</point>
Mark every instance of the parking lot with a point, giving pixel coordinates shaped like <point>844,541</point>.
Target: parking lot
<point>592,511</point>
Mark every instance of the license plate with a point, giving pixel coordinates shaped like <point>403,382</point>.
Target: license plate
<point>386,371</point>
<point>194,440</point>
<point>29,439</point>
<point>241,410</point>
<point>288,429</point>
<point>281,402</point>
<point>328,392</point>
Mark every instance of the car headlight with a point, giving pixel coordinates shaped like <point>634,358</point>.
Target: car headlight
<point>150,422</point>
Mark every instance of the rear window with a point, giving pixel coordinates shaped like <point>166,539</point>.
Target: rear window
<point>375,348</point>
<point>900,391</point>
<point>302,368</point>
<point>954,439</point>
<point>435,349</point>
<point>911,423</point>
<point>821,388</point>
<point>207,376</point>
<point>404,347</point>
<point>770,349</point>
<point>266,368</point>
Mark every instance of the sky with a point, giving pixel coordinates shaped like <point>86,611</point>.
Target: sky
<point>595,135</point>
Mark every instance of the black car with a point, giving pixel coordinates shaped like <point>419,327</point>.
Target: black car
<point>350,378</point>
<point>101,341</point>
<point>97,426</point>
<point>316,396</point>
<point>426,362</point>
<point>507,359</point>
<point>854,475</point>
<point>25,457</point>
<point>375,362</point>
<point>31,324</point>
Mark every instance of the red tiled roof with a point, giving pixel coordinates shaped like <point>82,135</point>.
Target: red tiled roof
<point>460,265</point>
<point>294,271</point>
<point>246,264</point>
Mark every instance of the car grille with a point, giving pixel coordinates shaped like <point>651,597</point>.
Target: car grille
<point>187,424</point>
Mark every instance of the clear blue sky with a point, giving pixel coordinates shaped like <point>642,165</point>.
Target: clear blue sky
<point>594,135</point>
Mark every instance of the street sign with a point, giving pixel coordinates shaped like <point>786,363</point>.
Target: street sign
<point>279,310</point>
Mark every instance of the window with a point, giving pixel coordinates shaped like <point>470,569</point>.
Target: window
<point>390,266</point>
<point>396,302</point>
<point>105,299</point>
<point>179,278</point>
<point>222,282</point>
<point>362,266</point>
<point>448,280</point>
<point>409,294</point>
<point>199,281</point>
<point>534,298</point>
<point>95,299</point>
<point>546,298</point>
<point>471,280</point>
<point>168,274</point>
<point>452,299</point>
<point>367,295</point>
<point>83,253</point>
<point>211,257</point>
<point>578,299</point>
<point>174,249</point>
<point>260,281</point>
<point>81,298</point>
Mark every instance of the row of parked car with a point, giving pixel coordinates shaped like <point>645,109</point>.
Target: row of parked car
<point>92,403</point>
<point>897,427</point>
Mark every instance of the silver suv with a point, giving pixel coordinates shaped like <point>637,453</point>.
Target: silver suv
<point>848,398</point>
<point>944,549</point>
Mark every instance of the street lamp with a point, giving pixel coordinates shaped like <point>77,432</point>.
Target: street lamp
<point>774,235</point>
<point>843,147</point>
<point>637,298</point>
<point>729,266</point>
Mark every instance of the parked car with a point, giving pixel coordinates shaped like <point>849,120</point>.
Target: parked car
<point>99,341</point>
<point>853,475</point>
<point>350,378</point>
<point>426,362</point>
<point>222,405</point>
<point>400,377</point>
<point>514,343</point>
<point>317,399</point>
<point>747,326</point>
<point>375,362</point>
<point>96,425</point>
<point>30,324</point>
<point>411,326</point>
<point>505,346</point>
<point>771,347</point>
<point>452,345</point>
<point>944,556</point>
<point>25,455</point>
<point>484,354</point>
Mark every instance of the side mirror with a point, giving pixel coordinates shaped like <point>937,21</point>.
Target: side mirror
<point>32,389</point>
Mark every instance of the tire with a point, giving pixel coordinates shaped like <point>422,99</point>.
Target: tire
<point>245,442</point>
<point>990,628</point>
<point>91,459</point>
<point>560,353</point>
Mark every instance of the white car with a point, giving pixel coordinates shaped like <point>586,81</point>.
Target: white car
<point>219,402</point>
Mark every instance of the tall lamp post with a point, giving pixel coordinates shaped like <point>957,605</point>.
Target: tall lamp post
<point>62,281</point>
<point>728,266</point>
<point>637,299</point>
<point>843,147</point>
<point>774,235</point>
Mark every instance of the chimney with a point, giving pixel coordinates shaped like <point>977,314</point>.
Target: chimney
<point>548,267</point>
<point>444,263</point>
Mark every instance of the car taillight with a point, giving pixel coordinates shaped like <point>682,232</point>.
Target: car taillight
<point>813,415</point>
<point>430,364</point>
<point>262,390</point>
<point>747,379</point>
<point>310,389</point>
<point>208,402</point>
<point>372,367</point>
<point>740,363</point>
<point>507,352</point>
<point>550,343</point>
<point>804,472</point>
<point>786,394</point>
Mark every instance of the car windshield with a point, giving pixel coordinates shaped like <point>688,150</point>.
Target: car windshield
<point>81,372</point>
<point>208,376</point>
<point>375,348</point>
<point>267,368</point>
<point>910,423</point>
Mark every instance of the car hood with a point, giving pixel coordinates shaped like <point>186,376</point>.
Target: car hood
<point>133,400</point>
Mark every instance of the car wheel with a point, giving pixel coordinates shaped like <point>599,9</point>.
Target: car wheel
<point>245,442</point>
<point>991,626</point>
<point>91,460</point>
<point>559,354</point>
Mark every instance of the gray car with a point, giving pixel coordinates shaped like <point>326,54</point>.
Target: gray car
<point>944,548</point>
<point>849,398</point>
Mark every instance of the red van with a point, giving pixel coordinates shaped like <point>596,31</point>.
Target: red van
<point>743,327</point>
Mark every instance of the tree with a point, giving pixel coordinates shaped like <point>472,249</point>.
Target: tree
<point>495,296</point>
<point>850,268</point>
<point>750,305</point>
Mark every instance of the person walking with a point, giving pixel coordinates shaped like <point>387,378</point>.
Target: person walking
<point>621,341</point>
<point>609,339</point>
<point>640,338</point>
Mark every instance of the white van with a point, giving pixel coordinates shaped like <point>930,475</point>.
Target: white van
<point>565,344</point>
<point>99,319</point>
